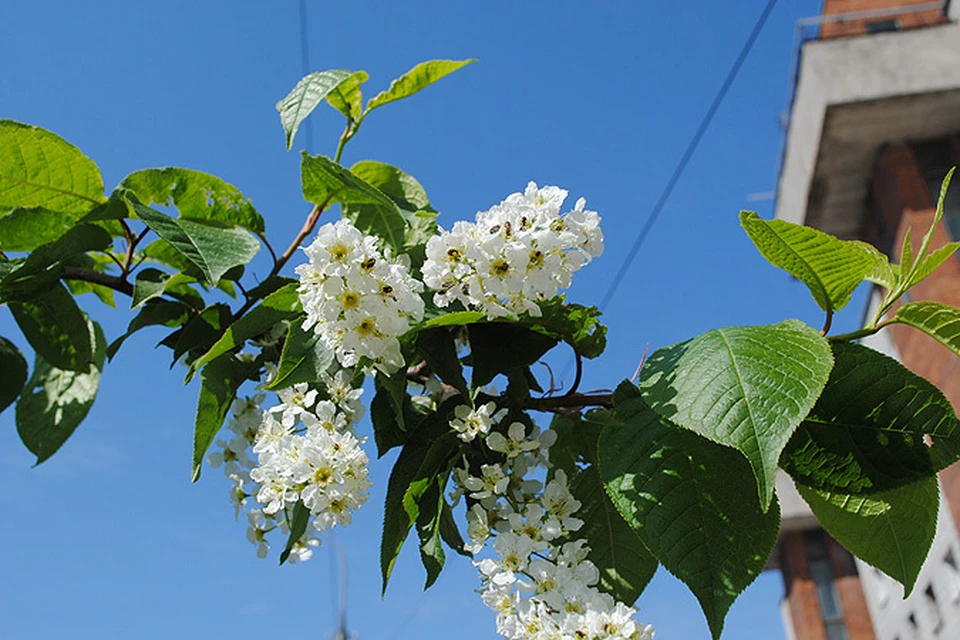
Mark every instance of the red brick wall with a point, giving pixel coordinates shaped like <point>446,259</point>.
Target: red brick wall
<point>858,27</point>
<point>856,615</point>
<point>902,197</point>
<point>800,589</point>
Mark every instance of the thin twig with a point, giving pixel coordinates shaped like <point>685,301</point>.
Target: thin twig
<point>579,374</point>
<point>828,322</point>
<point>87,275</point>
<point>643,358</point>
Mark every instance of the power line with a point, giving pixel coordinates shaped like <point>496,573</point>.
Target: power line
<point>305,68</point>
<point>691,148</point>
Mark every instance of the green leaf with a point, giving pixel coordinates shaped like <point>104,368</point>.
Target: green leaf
<point>684,497</point>
<point>55,401</point>
<point>326,181</point>
<point>455,319</point>
<point>913,272</point>
<point>219,382</point>
<point>154,312</point>
<point>307,94</point>
<point>41,169</point>
<point>438,347</point>
<point>201,331</point>
<point>939,321</point>
<point>80,287</point>
<point>420,77</point>
<point>214,250</point>
<point>626,567</point>
<point>450,532</point>
<point>498,347</point>
<point>743,387</point>
<point>830,268</point>
<point>906,253</point>
<point>929,264</point>
<point>282,304</point>
<point>406,193</point>
<point>304,359</point>
<point>882,272</point>
<point>298,527</point>
<point>890,530</point>
<point>428,530</point>
<point>347,97</point>
<point>415,471</point>
<point>148,284</point>
<point>14,367</point>
<point>197,195</point>
<point>25,229</point>
<point>56,328</point>
<point>44,265</point>
<point>573,323</point>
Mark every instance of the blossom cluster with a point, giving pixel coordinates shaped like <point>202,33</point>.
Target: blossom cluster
<point>519,252</point>
<point>540,581</point>
<point>357,299</point>
<point>304,448</point>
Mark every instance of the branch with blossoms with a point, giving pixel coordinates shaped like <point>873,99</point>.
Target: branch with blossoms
<point>566,523</point>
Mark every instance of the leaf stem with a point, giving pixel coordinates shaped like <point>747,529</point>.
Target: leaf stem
<point>348,132</point>
<point>578,375</point>
<point>828,322</point>
<point>88,275</point>
<point>862,333</point>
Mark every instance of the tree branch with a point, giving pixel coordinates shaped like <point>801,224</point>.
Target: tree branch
<point>88,275</point>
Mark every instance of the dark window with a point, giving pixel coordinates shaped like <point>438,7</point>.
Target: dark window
<point>880,26</point>
<point>821,571</point>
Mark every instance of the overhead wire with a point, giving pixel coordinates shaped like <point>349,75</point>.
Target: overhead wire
<point>687,154</point>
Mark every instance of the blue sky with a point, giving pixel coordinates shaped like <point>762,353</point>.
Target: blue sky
<point>109,538</point>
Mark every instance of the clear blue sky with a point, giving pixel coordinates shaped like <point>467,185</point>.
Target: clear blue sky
<point>109,539</point>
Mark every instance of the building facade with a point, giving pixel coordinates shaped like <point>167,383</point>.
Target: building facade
<point>874,127</point>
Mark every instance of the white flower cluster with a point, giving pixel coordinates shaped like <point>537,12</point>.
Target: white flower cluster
<point>519,252</point>
<point>540,582</point>
<point>308,451</point>
<point>357,299</point>
<point>233,456</point>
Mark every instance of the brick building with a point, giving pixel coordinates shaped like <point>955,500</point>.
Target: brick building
<point>874,126</point>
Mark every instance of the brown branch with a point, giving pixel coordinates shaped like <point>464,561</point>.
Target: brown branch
<point>88,275</point>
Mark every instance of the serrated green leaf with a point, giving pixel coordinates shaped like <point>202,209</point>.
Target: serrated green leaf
<point>214,250</point>
<point>304,358</point>
<point>457,318</point>
<point>866,431</point>
<point>420,463</point>
<point>438,347</point>
<point>939,321</point>
<point>450,532</point>
<point>25,229</point>
<point>55,401</point>
<point>911,273</point>
<point>219,382</point>
<point>282,304</point>
<point>906,253</point>
<point>41,169</point>
<point>56,328</point>
<point>744,387</point>
<point>44,265</point>
<point>306,95</point>
<point>326,181</point>
<point>196,195</point>
<point>683,496</point>
<point>890,530</point>
<point>831,268</point>
<point>420,77</point>
<point>498,347</point>
<point>428,530</point>
<point>575,324</point>
<point>407,194</point>
<point>882,272</point>
<point>626,567</point>
<point>155,312</point>
<point>14,367</point>
<point>80,287</point>
<point>148,284</point>
<point>347,97</point>
<point>298,527</point>
<point>201,331</point>
<point>936,258</point>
